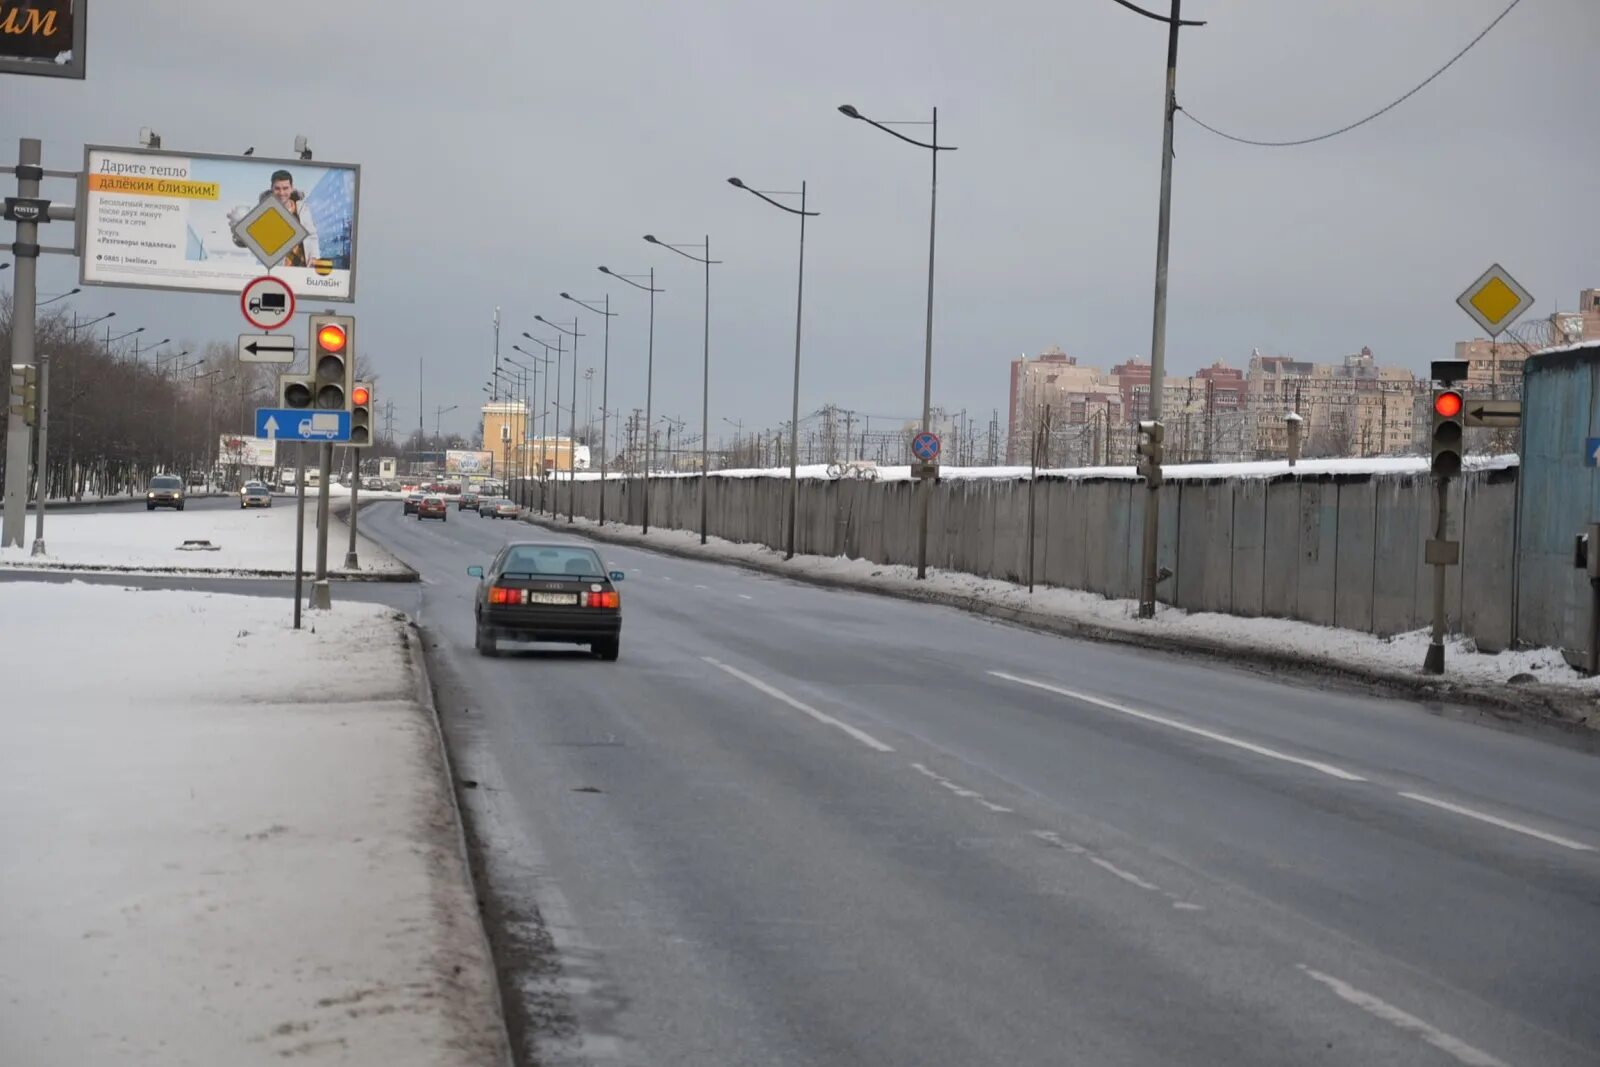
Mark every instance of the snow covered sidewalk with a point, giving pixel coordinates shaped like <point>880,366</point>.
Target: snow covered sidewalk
<point>1542,676</point>
<point>258,542</point>
<point>228,842</point>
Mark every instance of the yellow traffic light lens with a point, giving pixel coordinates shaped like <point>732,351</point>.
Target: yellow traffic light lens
<point>330,338</point>
<point>1447,405</point>
<point>361,396</point>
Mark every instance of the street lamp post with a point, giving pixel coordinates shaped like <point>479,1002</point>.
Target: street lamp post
<point>606,314</point>
<point>705,373</point>
<point>544,413</point>
<point>649,371</point>
<point>1158,344</point>
<point>799,305</point>
<point>541,364</point>
<point>572,423</point>
<point>934,148</point>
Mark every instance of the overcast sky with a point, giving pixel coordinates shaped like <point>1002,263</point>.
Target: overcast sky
<point>510,146</point>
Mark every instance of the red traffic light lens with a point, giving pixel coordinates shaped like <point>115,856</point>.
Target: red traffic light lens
<point>360,395</point>
<point>330,338</point>
<point>1447,405</point>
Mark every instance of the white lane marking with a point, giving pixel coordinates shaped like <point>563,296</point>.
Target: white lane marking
<point>1504,824</point>
<point>961,791</point>
<point>664,578</point>
<point>1126,876</point>
<point>1055,839</point>
<point>1210,735</point>
<point>698,586</point>
<point>1454,1046</point>
<point>746,596</point>
<point>778,694</point>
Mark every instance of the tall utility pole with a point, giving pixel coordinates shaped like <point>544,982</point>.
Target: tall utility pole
<point>705,378</point>
<point>1158,343</point>
<point>24,295</point>
<point>605,380</point>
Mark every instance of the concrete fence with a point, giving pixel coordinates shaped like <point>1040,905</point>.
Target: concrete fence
<point>1340,550</point>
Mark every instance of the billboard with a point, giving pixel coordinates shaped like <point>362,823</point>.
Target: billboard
<point>152,219</point>
<point>43,37</point>
<point>236,451</point>
<point>458,462</point>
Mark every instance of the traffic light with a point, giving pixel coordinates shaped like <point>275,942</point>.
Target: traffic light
<point>360,415</point>
<point>1448,406</point>
<point>1151,434</point>
<point>333,361</point>
<point>24,392</point>
<point>295,390</point>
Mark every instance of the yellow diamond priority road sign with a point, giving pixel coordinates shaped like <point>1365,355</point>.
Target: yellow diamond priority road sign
<point>270,231</point>
<point>1495,300</point>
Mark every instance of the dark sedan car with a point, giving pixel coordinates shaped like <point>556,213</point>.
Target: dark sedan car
<point>543,592</point>
<point>467,500</point>
<point>413,501</point>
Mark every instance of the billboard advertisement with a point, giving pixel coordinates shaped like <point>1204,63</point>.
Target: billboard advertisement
<point>458,462</point>
<point>236,451</point>
<point>43,37</point>
<point>153,219</point>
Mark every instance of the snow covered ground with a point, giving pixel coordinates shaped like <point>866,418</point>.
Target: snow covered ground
<point>1350,650</point>
<point>226,841</point>
<point>248,542</point>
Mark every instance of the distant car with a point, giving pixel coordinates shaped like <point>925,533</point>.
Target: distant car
<point>413,501</point>
<point>165,491</point>
<point>506,509</point>
<point>433,507</point>
<point>255,495</point>
<point>543,592</point>
<point>469,499</point>
<point>486,506</point>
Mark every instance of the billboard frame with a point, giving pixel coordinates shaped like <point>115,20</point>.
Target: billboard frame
<point>286,164</point>
<point>76,69</point>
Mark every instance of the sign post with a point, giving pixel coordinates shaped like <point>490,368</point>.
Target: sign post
<point>299,527</point>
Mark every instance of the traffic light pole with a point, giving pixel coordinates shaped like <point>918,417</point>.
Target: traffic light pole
<point>351,561</point>
<point>299,528</point>
<point>321,599</point>
<point>1433,661</point>
<point>41,469</point>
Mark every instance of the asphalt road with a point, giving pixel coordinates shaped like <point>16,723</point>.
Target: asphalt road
<point>802,826</point>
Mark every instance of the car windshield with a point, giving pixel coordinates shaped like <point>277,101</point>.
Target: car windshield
<point>165,482</point>
<point>550,559</point>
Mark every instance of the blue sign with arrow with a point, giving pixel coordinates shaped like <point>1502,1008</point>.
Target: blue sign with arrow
<point>925,446</point>
<point>1591,452</point>
<point>302,424</point>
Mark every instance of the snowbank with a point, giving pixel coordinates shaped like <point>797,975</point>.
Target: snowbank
<point>253,541</point>
<point>226,841</point>
<point>1346,650</point>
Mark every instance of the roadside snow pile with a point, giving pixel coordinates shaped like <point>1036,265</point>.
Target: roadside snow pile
<point>227,841</point>
<point>1362,653</point>
<point>249,541</point>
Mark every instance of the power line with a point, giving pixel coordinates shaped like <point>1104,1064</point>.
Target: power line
<point>1359,122</point>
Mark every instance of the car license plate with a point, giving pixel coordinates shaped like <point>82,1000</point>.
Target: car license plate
<point>553,598</point>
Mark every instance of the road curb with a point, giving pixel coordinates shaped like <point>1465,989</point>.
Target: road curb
<point>422,686</point>
<point>111,502</point>
<point>1564,711</point>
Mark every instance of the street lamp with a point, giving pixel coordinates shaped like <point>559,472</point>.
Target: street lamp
<point>524,371</point>
<point>572,424</point>
<point>605,381</point>
<point>120,337</point>
<point>705,373</point>
<point>544,412</point>
<point>649,373</point>
<point>53,299</point>
<point>80,325</point>
<point>934,148</point>
<point>799,303</point>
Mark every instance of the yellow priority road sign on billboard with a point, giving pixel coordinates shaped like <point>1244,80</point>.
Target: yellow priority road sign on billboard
<point>1495,300</point>
<point>270,231</point>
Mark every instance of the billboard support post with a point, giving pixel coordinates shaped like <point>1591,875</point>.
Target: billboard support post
<point>24,295</point>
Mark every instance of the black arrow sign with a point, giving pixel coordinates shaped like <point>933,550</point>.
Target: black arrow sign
<point>254,347</point>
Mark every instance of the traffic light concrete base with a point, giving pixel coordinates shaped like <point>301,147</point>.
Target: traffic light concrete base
<point>321,598</point>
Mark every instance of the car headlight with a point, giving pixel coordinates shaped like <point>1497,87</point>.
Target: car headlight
<point>152,496</point>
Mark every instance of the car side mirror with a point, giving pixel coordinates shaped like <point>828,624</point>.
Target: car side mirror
<point>476,572</point>
<point>616,576</point>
